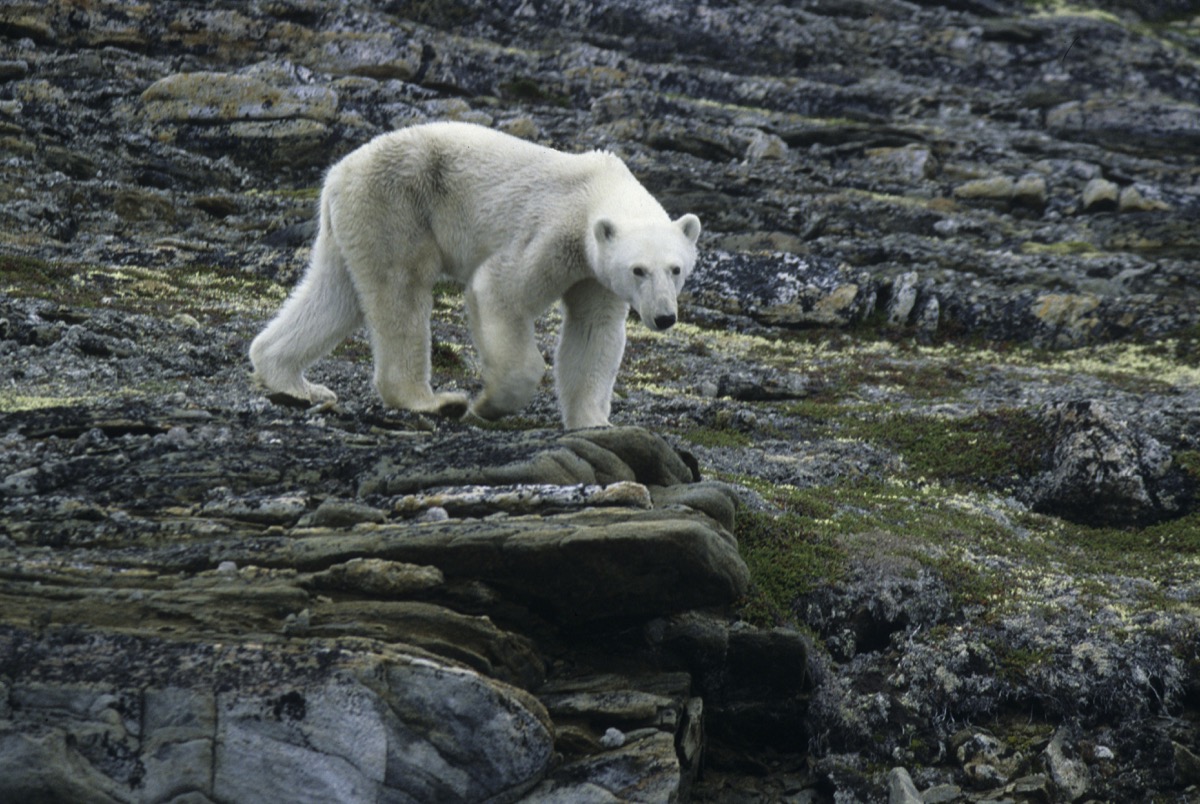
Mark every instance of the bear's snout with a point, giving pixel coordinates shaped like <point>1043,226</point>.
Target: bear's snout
<point>664,321</point>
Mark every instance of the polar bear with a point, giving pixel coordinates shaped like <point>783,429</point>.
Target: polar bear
<point>520,226</point>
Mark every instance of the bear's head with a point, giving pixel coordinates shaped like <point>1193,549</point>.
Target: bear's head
<point>646,264</point>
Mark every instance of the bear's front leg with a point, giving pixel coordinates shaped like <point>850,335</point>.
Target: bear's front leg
<point>590,348</point>
<point>512,365</point>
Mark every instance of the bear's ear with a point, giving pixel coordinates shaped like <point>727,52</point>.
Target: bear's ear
<point>690,225</point>
<point>604,230</point>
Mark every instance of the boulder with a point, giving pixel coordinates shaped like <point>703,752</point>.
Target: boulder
<point>781,289</point>
<point>145,719</point>
<point>1102,470</point>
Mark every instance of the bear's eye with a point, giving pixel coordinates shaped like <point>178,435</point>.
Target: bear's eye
<point>639,271</point>
<point>676,270</point>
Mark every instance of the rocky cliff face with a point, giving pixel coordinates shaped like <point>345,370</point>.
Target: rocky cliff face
<point>905,509</point>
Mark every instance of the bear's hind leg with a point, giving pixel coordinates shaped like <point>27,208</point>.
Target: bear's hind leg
<point>590,346</point>
<point>320,313</point>
<point>512,365</point>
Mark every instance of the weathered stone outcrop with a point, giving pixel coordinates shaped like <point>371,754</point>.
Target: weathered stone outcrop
<point>93,714</point>
<point>283,646</point>
<point>1102,471</point>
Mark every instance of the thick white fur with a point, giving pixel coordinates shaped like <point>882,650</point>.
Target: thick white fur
<point>520,226</point>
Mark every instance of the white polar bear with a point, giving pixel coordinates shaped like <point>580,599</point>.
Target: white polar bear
<point>520,226</point>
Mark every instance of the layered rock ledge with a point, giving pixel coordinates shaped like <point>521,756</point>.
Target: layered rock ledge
<point>431,620</point>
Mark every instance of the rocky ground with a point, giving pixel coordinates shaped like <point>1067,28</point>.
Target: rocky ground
<point>905,510</point>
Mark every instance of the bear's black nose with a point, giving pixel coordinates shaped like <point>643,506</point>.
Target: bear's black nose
<point>664,321</point>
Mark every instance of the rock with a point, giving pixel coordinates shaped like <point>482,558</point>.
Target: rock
<point>745,707</point>
<point>1030,191</point>
<point>613,738</point>
<point>780,289</point>
<point>942,794</point>
<point>1070,775</point>
<point>765,146</point>
<point>995,188</point>
<point>1100,195</point>
<point>262,722</point>
<point>206,97</point>
<point>902,299</point>
<point>1140,199</point>
<point>1103,471</point>
<point>642,770</point>
<point>376,576</point>
<point>683,559</point>
<point>911,162</point>
<point>1187,764</point>
<point>285,510</point>
<point>588,457</point>
<point>762,386</point>
<point>161,164</point>
<point>333,513</point>
<point>901,789</point>
<point>1072,317</point>
<point>1128,125</point>
<point>986,761</point>
<point>524,498</point>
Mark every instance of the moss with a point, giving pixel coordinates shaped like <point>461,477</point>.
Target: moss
<point>1063,249</point>
<point>527,90</point>
<point>991,448</point>
<point>1015,663</point>
<point>447,357</point>
<point>435,13</point>
<point>786,559</point>
<point>210,291</point>
<point>1062,8</point>
<point>12,403</point>
<point>717,437</point>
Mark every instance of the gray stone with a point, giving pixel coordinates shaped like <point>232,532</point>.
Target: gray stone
<point>1100,195</point>
<point>160,166</point>
<point>683,559</point>
<point>763,386</point>
<point>365,722</point>
<point>994,188</point>
<point>645,770</point>
<point>334,513</point>
<point>1104,471</point>
<point>902,299</point>
<point>1187,764</point>
<point>1128,125</point>
<point>206,97</point>
<point>901,789</point>
<point>376,576</point>
<point>781,289</point>
<point>524,498</point>
<point>1069,773</point>
<point>582,457</point>
<point>942,794</point>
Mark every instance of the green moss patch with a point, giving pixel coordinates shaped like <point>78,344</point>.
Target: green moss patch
<point>203,291</point>
<point>717,437</point>
<point>786,558</point>
<point>990,448</point>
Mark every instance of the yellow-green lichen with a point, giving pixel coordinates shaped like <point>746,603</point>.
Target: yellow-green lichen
<point>203,291</point>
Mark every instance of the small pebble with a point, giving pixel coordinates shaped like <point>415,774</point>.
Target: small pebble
<point>613,738</point>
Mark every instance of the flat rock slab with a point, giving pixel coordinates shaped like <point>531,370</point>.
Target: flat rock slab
<point>120,718</point>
